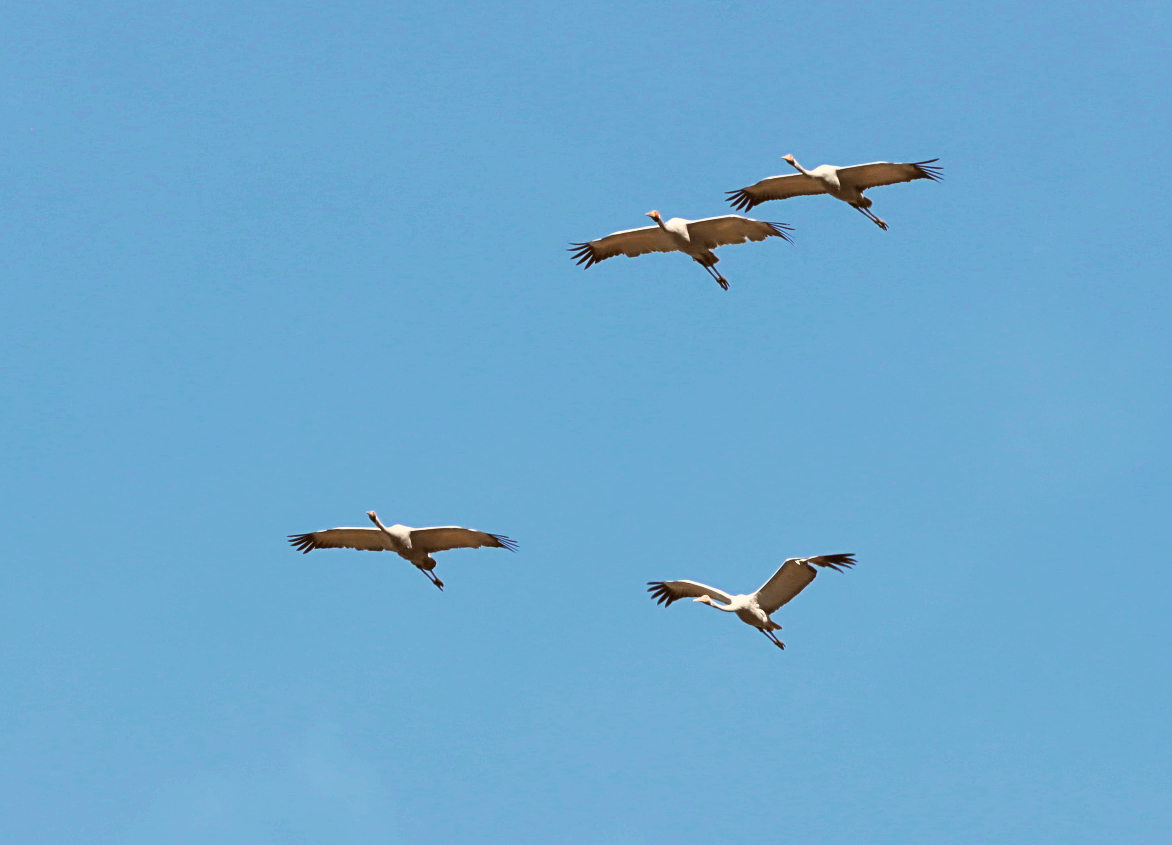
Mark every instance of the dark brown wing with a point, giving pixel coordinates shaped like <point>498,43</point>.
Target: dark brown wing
<point>775,188</point>
<point>630,243</point>
<point>666,592</point>
<point>864,176</point>
<point>794,576</point>
<point>713,232</point>
<point>451,537</point>
<point>363,539</point>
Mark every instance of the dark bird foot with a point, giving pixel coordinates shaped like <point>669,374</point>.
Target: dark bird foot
<point>779,644</point>
<point>723,282</point>
<point>881,224</point>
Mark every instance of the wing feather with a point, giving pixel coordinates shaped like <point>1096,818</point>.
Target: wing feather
<point>363,539</point>
<point>712,232</point>
<point>630,243</point>
<point>775,188</point>
<point>864,176</point>
<point>446,537</point>
<point>666,592</point>
<point>794,576</point>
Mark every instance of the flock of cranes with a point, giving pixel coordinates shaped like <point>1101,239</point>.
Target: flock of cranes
<point>697,239</point>
<point>417,545</point>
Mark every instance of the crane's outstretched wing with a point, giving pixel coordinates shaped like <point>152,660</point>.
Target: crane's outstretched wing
<point>629,243</point>
<point>364,539</point>
<point>863,176</point>
<point>712,232</point>
<point>451,537</point>
<point>794,576</point>
<point>775,188</point>
<point>665,592</point>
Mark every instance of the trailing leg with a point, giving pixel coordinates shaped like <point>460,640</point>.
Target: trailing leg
<point>773,638</point>
<point>720,280</point>
<point>432,578</point>
<point>708,262</point>
<point>866,212</point>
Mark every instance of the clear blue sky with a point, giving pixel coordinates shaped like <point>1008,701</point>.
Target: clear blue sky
<point>270,265</point>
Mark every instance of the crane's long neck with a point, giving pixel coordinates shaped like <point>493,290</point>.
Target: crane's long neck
<point>677,233</point>
<point>714,603</point>
<point>794,163</point>
<point>374,518</point>
<point>400,542</point>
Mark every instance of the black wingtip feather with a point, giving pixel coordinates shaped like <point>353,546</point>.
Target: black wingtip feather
<point>740,200</point>
<point>660,592</point>
<point>583,254</point>
<point>302,542</point>
<point>936,174</point>
<point>835,562</point>
<point>506,542</point>
<point>780,230</point>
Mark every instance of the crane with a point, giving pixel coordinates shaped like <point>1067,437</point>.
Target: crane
<point>844,183</point>
<point>696,238</point>
<point>414,545</point>
<point>754,609</point>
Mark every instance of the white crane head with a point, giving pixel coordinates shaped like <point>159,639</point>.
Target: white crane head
<point>704,600</point>
<point>654,215</point>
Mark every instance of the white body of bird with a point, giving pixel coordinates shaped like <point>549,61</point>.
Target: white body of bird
<point>844,183</point>
<point>415,545</point>
<point>695,238</point>
<point>755,608</point>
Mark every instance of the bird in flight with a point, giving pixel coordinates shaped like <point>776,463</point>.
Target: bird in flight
<point>414,545</point>
<point>696,238</point>
<point>844,183</point>
<point>756,608</point>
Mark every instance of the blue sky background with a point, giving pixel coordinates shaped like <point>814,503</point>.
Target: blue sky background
<point>270,265</point>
